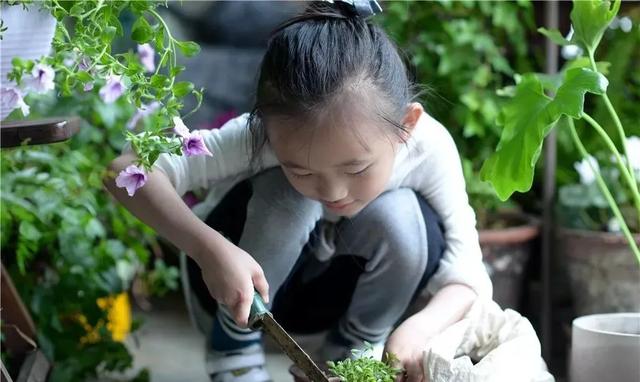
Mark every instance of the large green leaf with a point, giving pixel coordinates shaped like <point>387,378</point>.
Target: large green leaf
<point>590,19</point>
<point>527,119</point>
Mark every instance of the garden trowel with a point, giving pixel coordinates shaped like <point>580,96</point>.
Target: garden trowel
<point>261,318</point>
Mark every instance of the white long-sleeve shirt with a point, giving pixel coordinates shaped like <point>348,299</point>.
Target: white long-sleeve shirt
<point>429,164</point>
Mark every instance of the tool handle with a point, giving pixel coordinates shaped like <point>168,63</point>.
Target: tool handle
<point>258,310</point>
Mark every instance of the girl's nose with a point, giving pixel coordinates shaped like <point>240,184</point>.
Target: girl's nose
<point>332,192</point>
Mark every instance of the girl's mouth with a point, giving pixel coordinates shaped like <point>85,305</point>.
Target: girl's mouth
<point>338,206</point>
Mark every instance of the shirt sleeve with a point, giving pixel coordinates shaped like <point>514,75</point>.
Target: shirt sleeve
<point>443,186</point>
<point>232,156</point>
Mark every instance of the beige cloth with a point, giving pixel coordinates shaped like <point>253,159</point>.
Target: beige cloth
<point>502,342</point>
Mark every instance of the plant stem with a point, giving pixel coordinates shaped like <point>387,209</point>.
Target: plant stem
<point>166,30</point>
<point>625,173</point>
<point>605,191</point>
<point>619,128</point>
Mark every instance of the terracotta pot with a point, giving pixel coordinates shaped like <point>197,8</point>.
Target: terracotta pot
<point>606,347</point>
<point>506,253</point>
<point>604,274</point>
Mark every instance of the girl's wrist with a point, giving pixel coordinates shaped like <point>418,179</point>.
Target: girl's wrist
<point>208,242</point>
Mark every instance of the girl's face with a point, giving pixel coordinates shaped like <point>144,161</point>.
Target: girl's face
<point>344,167</point>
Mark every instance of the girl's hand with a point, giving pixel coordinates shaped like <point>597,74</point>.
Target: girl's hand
<point>408,343</point>
<point>231,275</point>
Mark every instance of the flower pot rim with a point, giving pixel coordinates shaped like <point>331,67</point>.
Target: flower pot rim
<point>529,229</point>
<point>580,323</point>
<point>604,235</point>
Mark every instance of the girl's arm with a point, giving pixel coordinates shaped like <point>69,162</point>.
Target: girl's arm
<point>411,338</point>
<point>158,205</point>
<point>229,272</point>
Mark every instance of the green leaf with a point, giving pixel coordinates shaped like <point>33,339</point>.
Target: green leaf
<point>29,232</point>
<point>141,31</point>
<point>84,76</point>
<point>94,229</point>
<point>569,99</point>
<point>555,36</point>
<point>109,34</point>
<point>590,19</point>
<point>188,48</point>
<point>159,80</point>
<point>177,70</point>
<point>140,5</point>
<point>181,89</point>
<point>527,119</point>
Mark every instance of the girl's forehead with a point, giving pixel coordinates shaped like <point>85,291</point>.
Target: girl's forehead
<point>326,144</point>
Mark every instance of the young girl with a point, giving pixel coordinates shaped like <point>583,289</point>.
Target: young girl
<point>340,161</point>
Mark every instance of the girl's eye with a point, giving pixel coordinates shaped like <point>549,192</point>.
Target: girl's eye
<point>300,175</point>
<point>360,172</point>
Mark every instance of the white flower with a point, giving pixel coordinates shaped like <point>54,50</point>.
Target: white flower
<point>615,23</point>
<point>42,77</point>
<point>585,170</point>
<point>11,98</point>
<point>625,24</point>
<point>614,225</point>
<point>112,90</point>
<point>633,151</point>
<point>146,55</point>
<point>569,52</point>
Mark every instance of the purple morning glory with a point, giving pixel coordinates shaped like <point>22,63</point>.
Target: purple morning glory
<point>146,55</point>
<point>192,142</point>
<point>10,99</point>
<point>84,64</point>
<point>131,178</point>
<point>142,112</point>
<point>112,90</point>
<point>42,78</point>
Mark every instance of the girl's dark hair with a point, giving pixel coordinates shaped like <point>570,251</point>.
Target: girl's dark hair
<point>321,54</point>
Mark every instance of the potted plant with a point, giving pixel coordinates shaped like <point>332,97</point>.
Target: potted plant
<point>538,103</point>
<point>71,252</point>
<point>507,239</point>
<point>591,243</point>
<point>361,367</point>
<point>82,59</point>
<point>463,51</point>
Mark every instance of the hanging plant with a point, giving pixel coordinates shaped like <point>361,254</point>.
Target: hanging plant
<point>83,61</point>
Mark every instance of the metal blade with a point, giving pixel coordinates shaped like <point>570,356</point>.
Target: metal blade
<point>291,348</point>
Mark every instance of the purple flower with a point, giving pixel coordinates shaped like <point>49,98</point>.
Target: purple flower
<point>194,145</point>
<point>112,90</point>
<point>42,78</point>
<point>84,64</point>
<point>192,142</point>
<point>88,86</point>
<point>146,55</point>
<point>131,178</point>
<point>142,112</point>
<point>10,99</point>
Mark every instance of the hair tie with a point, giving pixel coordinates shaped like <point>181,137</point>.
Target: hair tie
<point>363,8</point>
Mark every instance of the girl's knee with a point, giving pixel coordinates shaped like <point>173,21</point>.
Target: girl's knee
<point>273,194</point>
<point>395,218</point>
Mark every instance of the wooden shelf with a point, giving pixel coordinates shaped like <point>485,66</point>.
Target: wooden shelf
<point>38,132</point>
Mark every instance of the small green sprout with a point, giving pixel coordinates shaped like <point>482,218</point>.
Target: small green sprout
<point>364,368</point>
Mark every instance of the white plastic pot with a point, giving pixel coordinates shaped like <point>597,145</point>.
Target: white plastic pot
<point>606,347</point>
<point>29,34</point>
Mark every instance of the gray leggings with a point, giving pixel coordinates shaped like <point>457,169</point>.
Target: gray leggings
<point>390,234</point>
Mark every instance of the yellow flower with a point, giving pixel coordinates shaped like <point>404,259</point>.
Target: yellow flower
<point>118,319</point>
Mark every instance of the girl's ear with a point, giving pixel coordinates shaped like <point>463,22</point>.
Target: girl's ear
<point>411,117</point>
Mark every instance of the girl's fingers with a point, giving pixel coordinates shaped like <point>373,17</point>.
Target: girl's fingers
<point>261,285</point>
<point>242,309</point>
